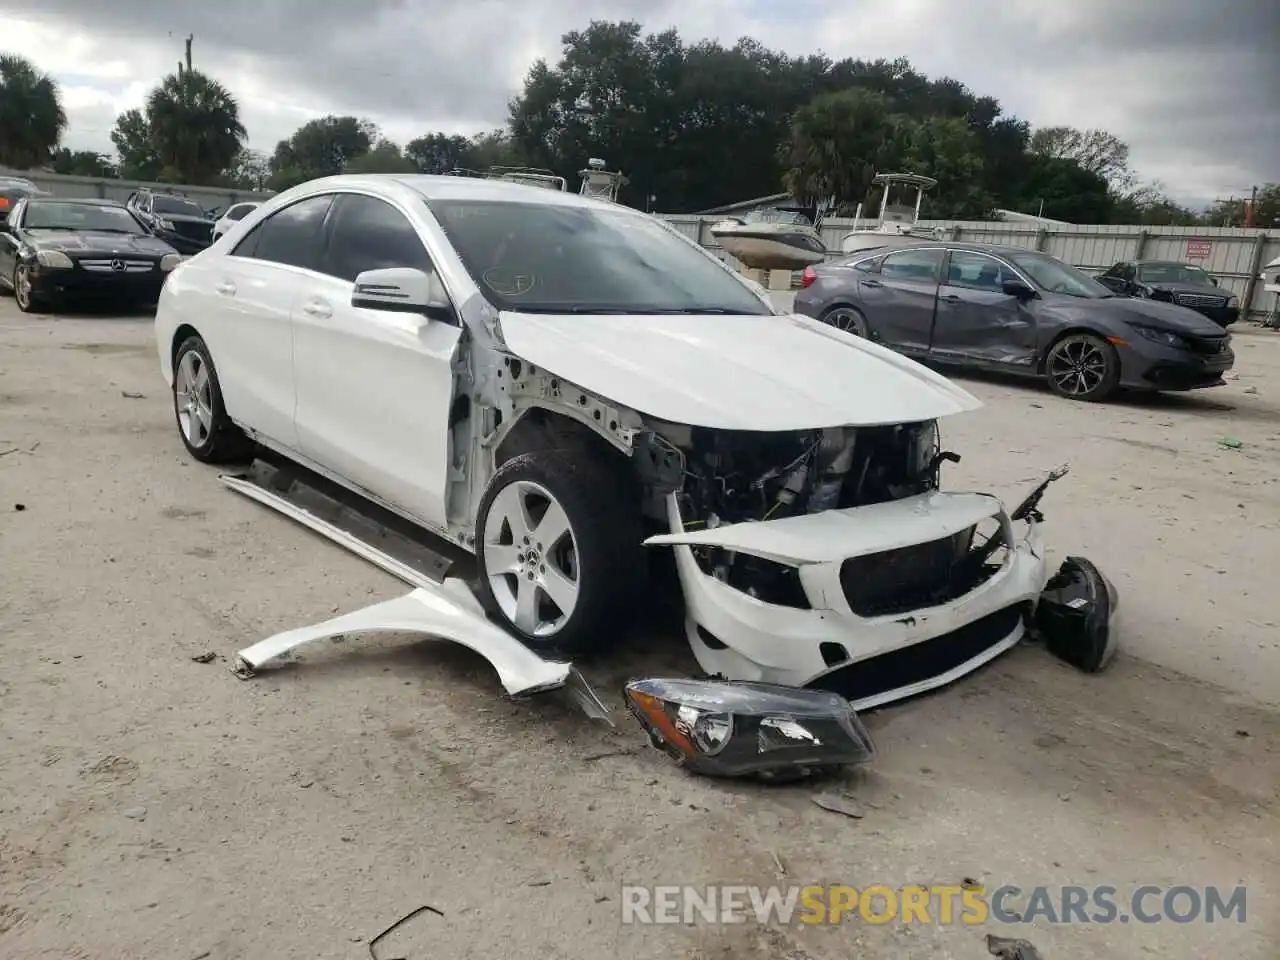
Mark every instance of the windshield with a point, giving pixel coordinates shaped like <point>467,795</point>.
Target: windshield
<point>1173,273</point>
<point>555,258</point>
<point>176,205</point>
<point>50,215</point>
<point>1051,274</point>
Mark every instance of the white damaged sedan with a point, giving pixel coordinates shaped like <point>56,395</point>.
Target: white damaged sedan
<point>567,388</point>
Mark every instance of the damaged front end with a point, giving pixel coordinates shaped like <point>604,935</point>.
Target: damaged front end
<point>841,566</point>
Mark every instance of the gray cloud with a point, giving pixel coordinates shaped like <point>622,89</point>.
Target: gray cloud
<point>1193,87</point>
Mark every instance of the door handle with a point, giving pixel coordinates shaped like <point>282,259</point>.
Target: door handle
<point>872,283</point>
<point>226,288</point>
<point>317,308</point>
<point>950,298</point>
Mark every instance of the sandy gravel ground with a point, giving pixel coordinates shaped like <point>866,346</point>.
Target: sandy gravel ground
<point>156,807</point>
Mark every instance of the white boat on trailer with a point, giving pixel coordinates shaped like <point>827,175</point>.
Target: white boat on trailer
<point>779,238</point>
<point>898,222</point>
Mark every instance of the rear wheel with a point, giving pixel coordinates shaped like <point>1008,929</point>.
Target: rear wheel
<point>848,319</point>
<point>1083,366</point>
<point>558,546</point>
<point>206,430</point>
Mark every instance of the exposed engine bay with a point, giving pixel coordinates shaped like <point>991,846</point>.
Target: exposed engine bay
<point>735,477</point>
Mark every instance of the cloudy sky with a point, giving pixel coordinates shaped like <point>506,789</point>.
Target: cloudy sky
<point>1193,86</point>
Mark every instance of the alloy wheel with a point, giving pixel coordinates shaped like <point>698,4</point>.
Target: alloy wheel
<point>531,558</point>
<point>193,398</point>
<point>1078,367</point>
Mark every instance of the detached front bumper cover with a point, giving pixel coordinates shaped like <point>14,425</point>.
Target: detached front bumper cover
<point>739,729</point>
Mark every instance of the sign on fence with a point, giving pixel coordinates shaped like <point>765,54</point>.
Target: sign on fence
<point>1198,249</point>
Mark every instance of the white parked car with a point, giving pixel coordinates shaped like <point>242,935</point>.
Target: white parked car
<point>233,215</point>
<point>567,388</point>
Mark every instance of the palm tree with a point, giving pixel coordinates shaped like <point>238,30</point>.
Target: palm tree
<point>31,116</point>
<point>194,124</point>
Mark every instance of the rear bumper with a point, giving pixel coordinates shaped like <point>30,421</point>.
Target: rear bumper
<point>870,660</point>
<point>79,284</point>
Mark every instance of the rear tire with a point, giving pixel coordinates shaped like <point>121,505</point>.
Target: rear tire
<point>559,529</point>
<point>848,319</point>
<point>1082,366</point>
<point>206,430</point>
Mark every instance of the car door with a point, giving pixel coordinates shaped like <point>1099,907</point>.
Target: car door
<point>249,296</point>
<point>374,387</point>
<point>898,298</point>
<point>977,320</point>
<point>1113,279</point>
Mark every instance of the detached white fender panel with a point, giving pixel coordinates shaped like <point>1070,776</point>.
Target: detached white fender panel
<point>448,612</point>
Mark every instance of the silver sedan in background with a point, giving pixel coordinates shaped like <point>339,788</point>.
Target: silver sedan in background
<point>1018,311</point>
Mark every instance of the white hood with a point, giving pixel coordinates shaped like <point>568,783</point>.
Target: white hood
<point>735,372</point>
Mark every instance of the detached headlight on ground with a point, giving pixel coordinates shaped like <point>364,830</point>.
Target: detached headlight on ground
<point>1161,336</point>
<point>169,261</point>
<point>735,729</point>
<point>54,259</point>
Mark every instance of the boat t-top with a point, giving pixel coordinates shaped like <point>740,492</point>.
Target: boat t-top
<point>529,176</point>
<point>599,182</point>
<point>777,238</point>
<point>897,224</point>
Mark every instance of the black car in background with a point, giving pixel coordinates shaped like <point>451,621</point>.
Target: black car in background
<point>13,189</point>
<point>1016,311</point>
<point>1182,283</point>
<point>177,220</point>
<point>55,250</point>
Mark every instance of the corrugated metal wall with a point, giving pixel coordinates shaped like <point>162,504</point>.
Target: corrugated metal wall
<point>1234,255</point>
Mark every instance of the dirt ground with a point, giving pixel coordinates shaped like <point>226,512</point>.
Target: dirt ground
<point>155,807</point>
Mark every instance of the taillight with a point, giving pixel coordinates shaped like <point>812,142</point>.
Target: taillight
<point>808,277</point>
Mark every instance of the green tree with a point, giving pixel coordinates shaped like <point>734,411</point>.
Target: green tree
<point>31,116</point>
<point>82,163</point>
<point>1095,151</point>
<point>385,157</point>
<point>194,125</point>
<point>139,158</point>
<point>837,144</point>
<point>249,170</point>
<point>1059,188</point>
<point>321,148</point>
<point>439,152</point>
<point>1150,205</point>
<point>950,151</point>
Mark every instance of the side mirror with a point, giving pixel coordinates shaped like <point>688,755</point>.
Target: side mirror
<point>1016,288</point>
<point>402,290</point>
<point>1214,281</point>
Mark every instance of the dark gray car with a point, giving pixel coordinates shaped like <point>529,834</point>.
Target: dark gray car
<point>1017,311</point>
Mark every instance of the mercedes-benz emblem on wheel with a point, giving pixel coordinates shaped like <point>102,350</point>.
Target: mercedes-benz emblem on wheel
<point>117,264</point>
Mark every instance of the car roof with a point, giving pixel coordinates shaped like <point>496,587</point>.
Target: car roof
<point>998,250</point>
<point>432,187</point>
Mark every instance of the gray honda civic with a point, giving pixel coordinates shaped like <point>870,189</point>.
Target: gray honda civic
<point>1015,311</point>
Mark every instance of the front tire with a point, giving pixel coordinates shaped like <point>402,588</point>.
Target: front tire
<point>558,547</point>
<point>1083,366</point>
<point>206,430</point>
<point>26,300</point>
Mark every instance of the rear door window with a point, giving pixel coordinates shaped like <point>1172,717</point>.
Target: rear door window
<point>293,236</point>
<point>920,266</point>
